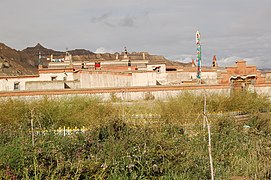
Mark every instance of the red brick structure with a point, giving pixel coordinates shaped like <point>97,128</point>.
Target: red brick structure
<point>241,76</point>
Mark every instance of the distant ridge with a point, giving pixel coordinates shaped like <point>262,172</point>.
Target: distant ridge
<point>40,49</point>
<point>14,63</point>
<point>47,52</point>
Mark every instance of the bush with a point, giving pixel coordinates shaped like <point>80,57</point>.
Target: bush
<point>173,146</point>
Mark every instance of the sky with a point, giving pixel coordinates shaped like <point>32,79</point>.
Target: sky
<point>230,29</point>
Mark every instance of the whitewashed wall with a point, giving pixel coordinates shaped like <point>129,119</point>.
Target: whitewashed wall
<point>128,96</point>
<point>144,79</point>
<point>95,80</point>
<point>176,78</point>
<point>8,83</point>
<point>59,76</point>
<point>103,79</point>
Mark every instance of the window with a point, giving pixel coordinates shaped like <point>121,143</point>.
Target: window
<point>16,85</point>
<point>66,86</point>
<point>97,65</point>
<point>53,78</point>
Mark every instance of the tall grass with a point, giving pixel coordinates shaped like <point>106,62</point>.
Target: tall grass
<point>53,113</point>
<point>118,147</point>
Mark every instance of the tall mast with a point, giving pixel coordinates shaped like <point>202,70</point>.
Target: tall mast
<point>198,56</point>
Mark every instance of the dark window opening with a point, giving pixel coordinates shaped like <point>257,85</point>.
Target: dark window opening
<point>17,86</point>
<point>53,78</point>
<point>171,69</point>
<point>66,86</point>
<point>83,66</point>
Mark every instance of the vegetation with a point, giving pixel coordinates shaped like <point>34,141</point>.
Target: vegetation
<point>150,140</point>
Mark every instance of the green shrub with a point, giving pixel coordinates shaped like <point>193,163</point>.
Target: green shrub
<point>171,146</point>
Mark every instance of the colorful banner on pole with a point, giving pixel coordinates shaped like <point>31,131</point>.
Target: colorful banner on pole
<point>198,55</point>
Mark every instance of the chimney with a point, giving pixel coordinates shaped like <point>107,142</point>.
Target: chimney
<point>125,53</point>
<point>214,61</point>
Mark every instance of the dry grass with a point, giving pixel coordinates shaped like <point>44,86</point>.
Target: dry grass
<point>173,146</point>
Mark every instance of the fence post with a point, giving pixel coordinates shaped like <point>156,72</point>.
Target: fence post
<point>205,119</point>
<point>32,127</point>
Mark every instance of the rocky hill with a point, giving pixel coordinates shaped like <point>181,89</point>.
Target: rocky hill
<point>14,63</point>
<point>80,52</point>
<point>47,52</point>
<point>34,51</point>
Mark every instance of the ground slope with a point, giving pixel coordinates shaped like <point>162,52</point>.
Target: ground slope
<point>14,63</point>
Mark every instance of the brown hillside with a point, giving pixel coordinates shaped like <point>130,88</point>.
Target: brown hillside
<point>13,62</point>
<point>80,52</point>
<point>47,52</point>
<point>40,49</point>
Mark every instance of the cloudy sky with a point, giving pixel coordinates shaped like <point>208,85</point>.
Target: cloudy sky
<point>231,29</point>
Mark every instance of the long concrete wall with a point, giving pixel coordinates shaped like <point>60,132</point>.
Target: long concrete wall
<point>127,94</point>
<point>43,81</point>
<point>144,79</point>
<point>96,80</point>
<point>7,84</point>
<point>177,78</point>
<point>46,85</point>
<point>101,79</point>
<point>58,76</point>
<point>107,79</point>
<point>43,85</point>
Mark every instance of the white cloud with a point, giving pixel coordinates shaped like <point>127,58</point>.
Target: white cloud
<point>255,61</point>
<point>102,50</point>
<point>228,61</point>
